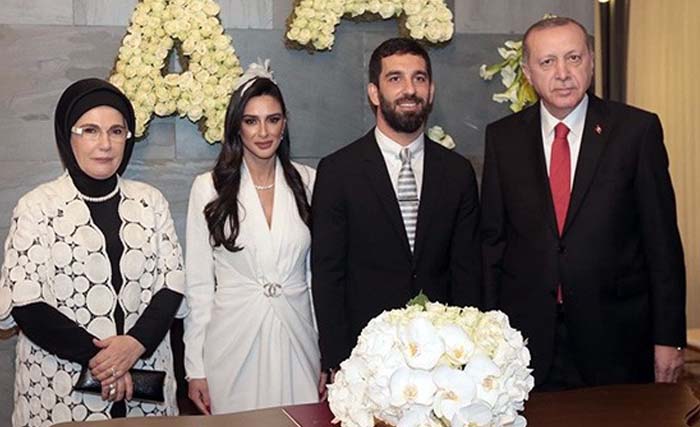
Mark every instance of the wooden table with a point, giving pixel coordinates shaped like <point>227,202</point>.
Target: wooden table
<point>652,405</point>
<point>648,405</point>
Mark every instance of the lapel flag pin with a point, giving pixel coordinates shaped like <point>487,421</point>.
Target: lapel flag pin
<point>598,129</point>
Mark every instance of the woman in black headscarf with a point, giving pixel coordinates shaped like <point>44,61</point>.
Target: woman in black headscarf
<point>92,273</point>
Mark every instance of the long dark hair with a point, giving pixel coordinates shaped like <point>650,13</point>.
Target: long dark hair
<point>222,212</point>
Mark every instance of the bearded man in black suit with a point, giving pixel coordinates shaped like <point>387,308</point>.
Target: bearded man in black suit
<point>393,213</point>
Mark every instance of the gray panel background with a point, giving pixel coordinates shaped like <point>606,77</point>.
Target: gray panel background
<point>47,44</point>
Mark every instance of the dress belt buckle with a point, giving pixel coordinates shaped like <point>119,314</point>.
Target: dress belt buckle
<point>272,290</point>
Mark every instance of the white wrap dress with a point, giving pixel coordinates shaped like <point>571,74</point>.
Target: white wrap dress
<point>251,330</point>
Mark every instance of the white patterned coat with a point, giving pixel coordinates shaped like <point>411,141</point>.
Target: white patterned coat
<point>56,254</point>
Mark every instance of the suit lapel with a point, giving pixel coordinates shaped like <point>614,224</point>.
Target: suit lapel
<point>375,169</point>
<point>433,181</point>
<point>595,132</point>
<point>533,157</point>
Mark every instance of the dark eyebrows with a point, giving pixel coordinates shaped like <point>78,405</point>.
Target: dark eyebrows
<point>421,73</point>
<point>95,125</point>
<point>269,116</point>
<point>393,73</point>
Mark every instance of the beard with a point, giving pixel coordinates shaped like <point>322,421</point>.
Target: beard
<point>408,121</point>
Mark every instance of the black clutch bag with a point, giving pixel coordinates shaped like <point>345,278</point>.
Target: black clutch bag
<point>148,385</point>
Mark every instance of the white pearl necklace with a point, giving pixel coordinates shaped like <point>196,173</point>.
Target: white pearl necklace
<point>264,187</point>
<point>100,199</point>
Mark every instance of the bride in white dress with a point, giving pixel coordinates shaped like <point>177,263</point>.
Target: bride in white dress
<point>250,338</point>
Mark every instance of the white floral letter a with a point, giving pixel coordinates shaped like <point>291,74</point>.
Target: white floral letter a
<point>203,89</point>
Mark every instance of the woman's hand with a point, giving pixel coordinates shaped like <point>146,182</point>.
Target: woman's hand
<point>122,388</point>
<point>118,355</point>
<point>198,392</point>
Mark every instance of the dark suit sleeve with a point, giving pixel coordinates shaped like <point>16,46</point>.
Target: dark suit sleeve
<point>493,220</point>
<point>54,332</point>
<point>664,254</point>
<point>465,254</point>
<point>328,264</point>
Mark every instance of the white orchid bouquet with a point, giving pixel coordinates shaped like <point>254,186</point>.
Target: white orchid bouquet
<point>431,365</point>
<point>518,91</point>
<point>203,90</point>
<point>312,22</point>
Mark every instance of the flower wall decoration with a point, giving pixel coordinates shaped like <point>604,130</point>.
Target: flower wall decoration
<point>431,365</point>
<point>202,91</point>
<point>518,91</point>
<point>312,22</point>
<point>437,134</point>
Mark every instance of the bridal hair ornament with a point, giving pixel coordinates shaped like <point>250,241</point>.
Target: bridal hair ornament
<point>255,71</point>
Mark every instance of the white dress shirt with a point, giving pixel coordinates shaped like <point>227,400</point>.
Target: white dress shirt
<point>390,150</point>
<point>575,121</point>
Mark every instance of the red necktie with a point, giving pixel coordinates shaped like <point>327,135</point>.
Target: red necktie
<point>560,180</point>
<point>560,174</point>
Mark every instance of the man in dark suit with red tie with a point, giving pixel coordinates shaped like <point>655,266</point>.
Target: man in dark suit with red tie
<point>393,213</point>
<point>580,240</point>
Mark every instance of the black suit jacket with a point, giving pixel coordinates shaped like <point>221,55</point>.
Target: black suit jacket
<point>619,259</point>
<point>361,260</point>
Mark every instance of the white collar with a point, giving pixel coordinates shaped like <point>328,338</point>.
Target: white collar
<point>575,120</point>
<point>390,147</point>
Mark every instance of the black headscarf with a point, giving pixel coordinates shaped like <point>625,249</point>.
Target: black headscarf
<point>76,100</point>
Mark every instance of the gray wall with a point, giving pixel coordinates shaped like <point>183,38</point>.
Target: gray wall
<point>47,44</point>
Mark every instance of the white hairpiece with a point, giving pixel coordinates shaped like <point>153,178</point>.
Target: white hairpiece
<point>255,70</point>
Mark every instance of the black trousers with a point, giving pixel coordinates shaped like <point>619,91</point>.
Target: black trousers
<point>563,373</point>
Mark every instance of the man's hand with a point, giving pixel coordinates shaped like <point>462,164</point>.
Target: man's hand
<point>118,355</point>
<point>323,381</point>
<point>668,363</point>
<point>327,377</point>
<point>198,392</point>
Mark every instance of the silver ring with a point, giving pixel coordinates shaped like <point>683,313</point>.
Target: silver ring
<point>114,372</point>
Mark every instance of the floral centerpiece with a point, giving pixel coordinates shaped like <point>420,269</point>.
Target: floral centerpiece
<point>431,365</point>
<point>312,22</point>
<point>202,91</point>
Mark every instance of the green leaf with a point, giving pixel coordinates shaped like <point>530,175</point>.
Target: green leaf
<point>421,299</point>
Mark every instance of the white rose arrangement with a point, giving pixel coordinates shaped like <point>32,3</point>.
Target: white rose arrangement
<point>431,365</point>
<point>200,92</point>
<point>312,22</point>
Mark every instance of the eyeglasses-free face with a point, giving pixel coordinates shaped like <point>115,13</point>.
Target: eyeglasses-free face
<point>262,127</point>
<point>98,140</point>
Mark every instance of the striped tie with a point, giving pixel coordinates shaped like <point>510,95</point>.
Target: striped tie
<point>408,196</point>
